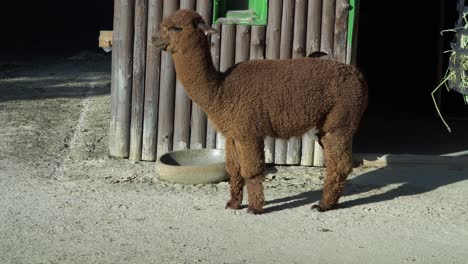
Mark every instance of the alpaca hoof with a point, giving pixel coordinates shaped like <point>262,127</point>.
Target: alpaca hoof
<point>233,205</point>
<point>317,208</point>
<point>254,211</point>
<point>321,208</point>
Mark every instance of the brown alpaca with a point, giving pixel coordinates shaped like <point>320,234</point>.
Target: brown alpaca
<point>278,98</point>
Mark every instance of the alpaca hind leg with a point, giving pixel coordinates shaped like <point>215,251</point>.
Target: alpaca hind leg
<point>252,167</point>
<point>338,162</point>
<point>236,180</point>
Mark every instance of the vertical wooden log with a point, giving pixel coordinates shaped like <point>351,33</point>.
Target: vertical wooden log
<point>299,48</point>
<point>318,155</point>
<point>273,41</point>
<point>314,24</point>
<point>308,147</point>
<point>341,30</point>
<point>287,26</point>
<point>188,4</point>
<point>216,46</point>
<point>198,123</point>
<point>300,32</point>
<point>138,85</point>
<point>166,99</point>
<point>153,69</point>
<point>119,134</point>
<point>328,26</point>
<point>228,41</point>
<point>242,43</point>
<point>182,104</point>
<point>204,9</point>
<point>115,61</point>
<point>257,43</point>
<point>215,54</point>
<point>327,46</point>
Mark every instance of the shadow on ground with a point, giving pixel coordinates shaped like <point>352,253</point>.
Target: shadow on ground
<point>55,78</point>
<point>408,180</point>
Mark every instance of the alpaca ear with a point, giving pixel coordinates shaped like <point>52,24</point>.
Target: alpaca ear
<point>207,29</point>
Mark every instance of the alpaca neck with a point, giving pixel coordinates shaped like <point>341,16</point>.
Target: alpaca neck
<point>196,72</point>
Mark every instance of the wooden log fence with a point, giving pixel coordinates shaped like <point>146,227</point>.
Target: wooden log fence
<point>215,54</point>
<point>226,60</point>
<point>151,113</point>
<point>121,84</point>
<point>138,84</point>
<point>314,23</point>
<point>182,104</point>
<point>198,125</point>
<point>167,92</point>
<point>153,70</point>
<point>287,26</point>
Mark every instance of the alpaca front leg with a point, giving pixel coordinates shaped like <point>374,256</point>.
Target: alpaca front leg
<point>338,158</point>
<point>252,167</point>
<point>236,180</point>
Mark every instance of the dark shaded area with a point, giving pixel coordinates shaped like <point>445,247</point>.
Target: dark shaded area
<point>398,52</point>
<point>35,29</point>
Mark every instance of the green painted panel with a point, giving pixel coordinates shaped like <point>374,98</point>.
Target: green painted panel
<point>243,12</point>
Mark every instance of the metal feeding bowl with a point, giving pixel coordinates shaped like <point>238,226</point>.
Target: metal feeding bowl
<point>193,166</point>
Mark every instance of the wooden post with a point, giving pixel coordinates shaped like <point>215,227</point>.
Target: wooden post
<point>300,22</point>
<point>153,68</point>
<point>328,26</point>
<point>182,104</point>
<point>257,43</point>
<point>318,155</point>
<point>228,40</point>
<point>273,40</point>
<point>199,125</point>
<point>287,26</point>
<point>341,30</point>
<point>122,56</point>
<point>166,99</point>
<point>138,85</point>
<point>308,147</point>
<point>327,46</point>
<point>314,23</point>
<point>242,43</point>
<point>215,54</point>
<point>299,41</point>
<point>204,9</point>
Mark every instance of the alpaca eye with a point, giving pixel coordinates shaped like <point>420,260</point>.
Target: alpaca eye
<point>175,29</point>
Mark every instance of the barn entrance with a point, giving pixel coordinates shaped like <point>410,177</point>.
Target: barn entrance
<point>399,51</point>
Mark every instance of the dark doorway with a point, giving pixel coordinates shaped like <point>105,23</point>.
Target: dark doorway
<point>52,27</point>
<point>398,49</point>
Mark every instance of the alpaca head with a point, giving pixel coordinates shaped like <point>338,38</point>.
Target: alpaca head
<point>182,31</point>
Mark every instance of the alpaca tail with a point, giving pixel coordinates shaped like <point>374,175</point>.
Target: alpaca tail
<point>364,88</point>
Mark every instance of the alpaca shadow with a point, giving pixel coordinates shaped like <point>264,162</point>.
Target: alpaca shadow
<point>395,181</point>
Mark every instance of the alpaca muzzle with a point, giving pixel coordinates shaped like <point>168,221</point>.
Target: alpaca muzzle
<point>160,43</point>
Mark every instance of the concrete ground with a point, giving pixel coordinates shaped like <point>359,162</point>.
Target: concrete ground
<point>63,200</point>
